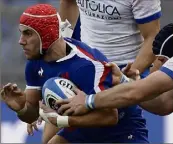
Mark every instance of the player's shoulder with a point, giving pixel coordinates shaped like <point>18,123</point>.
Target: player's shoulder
<point>145,1</point>
<point>32,65</point>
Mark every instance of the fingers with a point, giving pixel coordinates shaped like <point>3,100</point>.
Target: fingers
<point>130,72</point>
<point>137,75</point>
<point>2,94</point>
<point>68,112</point>
<point>62,101</point>
<point>63,108</point>
<point>7,88</point>
<point>30,129</point>
<point>76,90</point>
<point>39,121</point>
<point>110,64</point>
<point>35,126</point>
<point>45,108</point>
<point>40,104</point>
<point>10,87</point>
<point>113,66</point>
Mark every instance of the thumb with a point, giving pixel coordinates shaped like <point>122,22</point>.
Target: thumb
<point>41,105</point>
<point>114,67</point>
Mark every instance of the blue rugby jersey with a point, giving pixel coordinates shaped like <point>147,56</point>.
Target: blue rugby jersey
<point>85,68</point>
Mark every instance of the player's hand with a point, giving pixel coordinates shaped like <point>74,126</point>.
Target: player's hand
<point>116,73</point>
<point>73,106</point>
<point>51,116</point>
<point>31,128</point>
<point>130,72</point>
<point>46,109</point>
<point>13,97</point>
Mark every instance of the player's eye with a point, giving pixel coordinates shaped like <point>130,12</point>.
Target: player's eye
<point>27,33</point>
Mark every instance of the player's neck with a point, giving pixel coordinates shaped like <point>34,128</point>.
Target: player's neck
<point>56,51</point>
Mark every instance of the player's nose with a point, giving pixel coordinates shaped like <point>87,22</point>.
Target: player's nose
<point>22,41</point>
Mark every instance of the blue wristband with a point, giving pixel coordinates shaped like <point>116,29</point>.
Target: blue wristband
<point>89,102</point>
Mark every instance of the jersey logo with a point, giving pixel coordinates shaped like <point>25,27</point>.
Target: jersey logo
<point>40,72</point>
<point>130,137</point>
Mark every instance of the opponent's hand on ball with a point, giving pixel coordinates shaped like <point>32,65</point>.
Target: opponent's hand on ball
<point>13,97</point>
<point>73,106</point>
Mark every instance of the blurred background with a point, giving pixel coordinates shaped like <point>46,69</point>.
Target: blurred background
<point>12,70</point>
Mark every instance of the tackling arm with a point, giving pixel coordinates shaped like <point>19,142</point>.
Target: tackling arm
<point>146,15</point>
<point>145,56</point>
<point>124,95</point>
<point>162,105</point>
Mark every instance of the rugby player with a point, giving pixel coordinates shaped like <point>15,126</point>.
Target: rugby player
<point>122,30</point>
<point>49,55</point>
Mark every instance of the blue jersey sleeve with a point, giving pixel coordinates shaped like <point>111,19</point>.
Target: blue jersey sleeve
<point>92,79</point>
<point>31,76</point>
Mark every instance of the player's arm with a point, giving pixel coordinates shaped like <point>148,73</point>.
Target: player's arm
<point>25,104</point>
<point>96,118</point>
<point>162,105</point>
<point>69,10</point>
<point>32,93</point>
<point>147,18</point>
<point>145,56</point>
<point>127,94</point>
<point>31,112</point>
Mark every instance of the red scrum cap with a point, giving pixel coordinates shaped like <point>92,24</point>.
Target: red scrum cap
<point>45,21</point>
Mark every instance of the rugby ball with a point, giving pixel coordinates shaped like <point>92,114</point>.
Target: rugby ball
<point>57,88</point>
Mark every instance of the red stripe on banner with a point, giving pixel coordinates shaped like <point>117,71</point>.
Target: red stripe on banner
<point>106,69</point>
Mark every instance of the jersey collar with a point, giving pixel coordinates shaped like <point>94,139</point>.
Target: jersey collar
<point>72,53</point>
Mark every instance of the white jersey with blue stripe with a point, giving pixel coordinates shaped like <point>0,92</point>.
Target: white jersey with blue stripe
<point>111,25</point>
<point>167,68</point>
<point>84,66</point>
